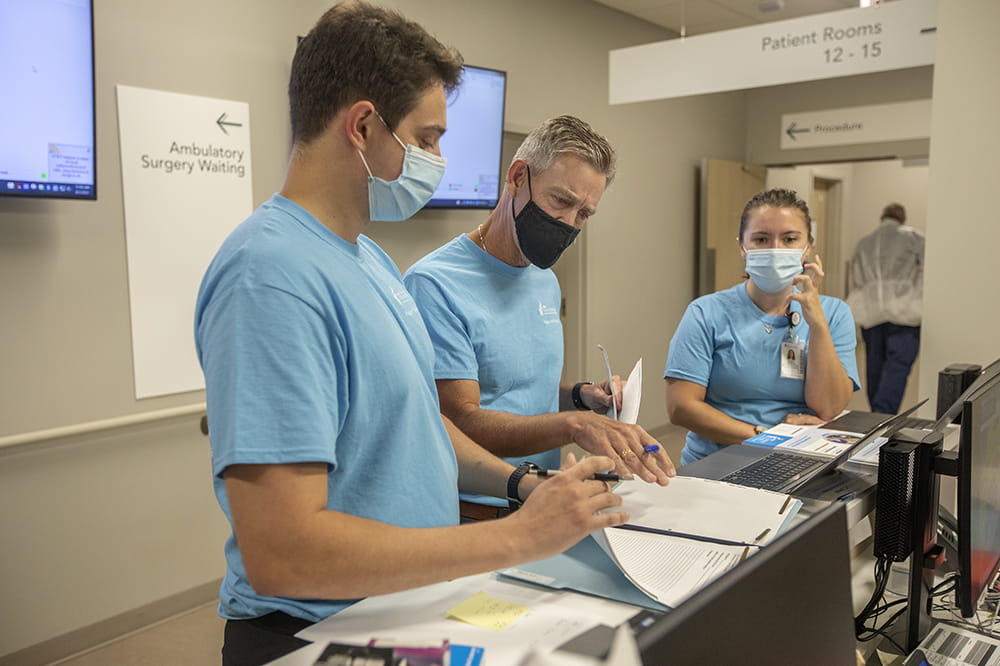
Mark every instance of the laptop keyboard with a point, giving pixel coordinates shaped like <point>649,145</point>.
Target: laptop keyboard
<point>773,472</point>
<point>914,422</point>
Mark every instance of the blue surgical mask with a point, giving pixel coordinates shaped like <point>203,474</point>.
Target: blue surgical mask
<point>774,269</point>
<point>397,200</point>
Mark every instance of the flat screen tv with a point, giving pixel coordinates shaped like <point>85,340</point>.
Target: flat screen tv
<point>473,142</point>
<point>47,128</point>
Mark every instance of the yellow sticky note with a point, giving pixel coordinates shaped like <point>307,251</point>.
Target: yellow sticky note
<point>485,611</point>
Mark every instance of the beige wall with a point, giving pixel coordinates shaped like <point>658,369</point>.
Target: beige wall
<point>101,524</point>
<point>961,308</point>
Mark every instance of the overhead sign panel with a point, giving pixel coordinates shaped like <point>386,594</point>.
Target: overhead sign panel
<point>859,124</point>
<point>894,35</point>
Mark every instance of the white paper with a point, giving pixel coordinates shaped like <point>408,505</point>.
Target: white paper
<point>667,569</point>
<point>826,442</point>
<point>632,395</point>
<point>628,411</point>
<point>671,568</point>
<point>555,617</point>
<point>705,507</point>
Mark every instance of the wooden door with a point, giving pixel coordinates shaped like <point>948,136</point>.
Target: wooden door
<point>725,189</point>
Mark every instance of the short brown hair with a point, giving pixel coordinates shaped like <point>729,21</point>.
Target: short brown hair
<point>895,211</point>
<point>776,198</point>
<point>357,51</point>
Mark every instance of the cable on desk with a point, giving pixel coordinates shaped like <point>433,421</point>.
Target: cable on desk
<point>881,575</point>
<point>876,608</point>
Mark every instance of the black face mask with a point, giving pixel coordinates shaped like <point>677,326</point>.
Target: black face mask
<point>542,237</point>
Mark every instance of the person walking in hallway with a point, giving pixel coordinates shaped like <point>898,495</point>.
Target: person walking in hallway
<point>886,282</point>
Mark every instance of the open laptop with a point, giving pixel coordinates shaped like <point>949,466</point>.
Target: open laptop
<point>787,471</point>
<point>858,421</point>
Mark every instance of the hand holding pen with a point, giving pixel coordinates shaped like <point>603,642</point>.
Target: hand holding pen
<point>634,450</point>
<point>567,505</point>
<point>610,477</point>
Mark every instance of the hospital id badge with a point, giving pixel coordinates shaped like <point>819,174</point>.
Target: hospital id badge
<point>792,360</point>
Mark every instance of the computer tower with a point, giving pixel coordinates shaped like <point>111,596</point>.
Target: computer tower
<point>952,381</point>
<point>906,497</point>
<point>895,500</point>
<point>906,518</point>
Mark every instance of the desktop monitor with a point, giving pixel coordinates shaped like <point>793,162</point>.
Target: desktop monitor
<point>47,126</point>
<point>788,604</point>
<point>473,142</point>
<point>978,496</point>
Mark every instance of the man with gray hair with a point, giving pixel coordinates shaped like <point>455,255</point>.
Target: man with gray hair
<point>492,305</point>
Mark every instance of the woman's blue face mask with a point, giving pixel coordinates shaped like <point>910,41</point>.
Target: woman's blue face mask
<point>774,269</point>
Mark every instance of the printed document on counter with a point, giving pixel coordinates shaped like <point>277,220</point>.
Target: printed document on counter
<point>684,535</point>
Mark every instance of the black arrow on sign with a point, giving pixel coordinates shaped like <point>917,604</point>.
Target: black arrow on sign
<point>793,130</point>
<point>222,122</point>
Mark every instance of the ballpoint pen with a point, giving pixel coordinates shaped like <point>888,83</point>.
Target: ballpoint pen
<point>611,477</point>
<point>611,382</point>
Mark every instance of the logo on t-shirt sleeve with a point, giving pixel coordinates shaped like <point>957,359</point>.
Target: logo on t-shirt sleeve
<point>406,303</point>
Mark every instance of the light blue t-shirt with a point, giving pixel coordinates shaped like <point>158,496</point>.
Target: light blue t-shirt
<point>722,344</point>
<point>495,324</point>
<point>313,351</point>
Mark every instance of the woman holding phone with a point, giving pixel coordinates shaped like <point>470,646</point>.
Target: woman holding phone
<point>768,350</point>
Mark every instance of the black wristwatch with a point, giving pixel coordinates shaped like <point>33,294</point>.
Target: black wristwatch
<point>514,480</point>
<point>577,398</point>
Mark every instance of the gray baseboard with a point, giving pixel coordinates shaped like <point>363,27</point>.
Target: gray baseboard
<point>99,633</point>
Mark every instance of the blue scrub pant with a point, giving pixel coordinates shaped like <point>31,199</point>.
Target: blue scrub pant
<point>890,350</point>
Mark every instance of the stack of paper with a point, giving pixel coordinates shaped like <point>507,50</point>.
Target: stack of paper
<point>682,536</point>
<point>821,441</point>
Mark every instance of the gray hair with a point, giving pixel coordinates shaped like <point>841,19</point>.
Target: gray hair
<point>567,134</point>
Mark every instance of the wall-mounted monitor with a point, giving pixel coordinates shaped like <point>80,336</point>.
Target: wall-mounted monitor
<point>473,142</point>
<point>47,120</point>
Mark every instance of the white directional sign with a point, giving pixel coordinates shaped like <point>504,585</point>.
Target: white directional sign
<point>890,36</point>
<point>186,184</point>
<point>860,124</point>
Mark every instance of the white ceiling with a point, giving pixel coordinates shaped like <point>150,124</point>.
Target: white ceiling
<point>701,16</point>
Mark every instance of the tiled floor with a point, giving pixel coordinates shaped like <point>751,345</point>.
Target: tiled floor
<point>190,639</point>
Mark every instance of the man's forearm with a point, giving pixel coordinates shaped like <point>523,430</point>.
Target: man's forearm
<point>512,435</point>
